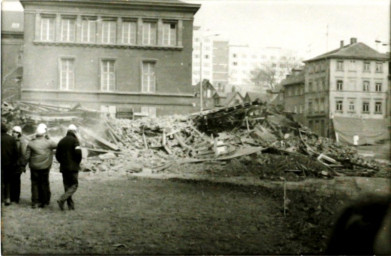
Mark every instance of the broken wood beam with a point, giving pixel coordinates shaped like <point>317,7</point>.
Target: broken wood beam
<point>99,138</point>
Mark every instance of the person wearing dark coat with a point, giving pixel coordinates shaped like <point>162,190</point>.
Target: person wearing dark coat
<point>21,143</point>
<point>9,157</point>
<point>69,156</point>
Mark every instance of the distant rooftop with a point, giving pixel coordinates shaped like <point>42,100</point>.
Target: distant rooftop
<point>354,50</point>
<point>162,3</point>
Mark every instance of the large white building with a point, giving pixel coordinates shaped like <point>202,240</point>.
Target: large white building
<point>227,66</point>
<point>243,60</point>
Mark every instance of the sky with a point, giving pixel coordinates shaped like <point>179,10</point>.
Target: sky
<point>310,27</point>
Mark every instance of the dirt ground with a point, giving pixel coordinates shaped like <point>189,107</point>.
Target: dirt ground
<point>119,214</point>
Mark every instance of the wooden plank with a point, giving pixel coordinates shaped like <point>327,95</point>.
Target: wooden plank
<point>98,138</point>
<point>145,141</point>
<point>238,153</point>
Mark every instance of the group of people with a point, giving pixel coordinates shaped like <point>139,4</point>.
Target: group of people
<point>17,152</point>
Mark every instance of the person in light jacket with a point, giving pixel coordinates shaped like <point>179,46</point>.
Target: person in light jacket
<point>69,156</point>
<point>39,155</point>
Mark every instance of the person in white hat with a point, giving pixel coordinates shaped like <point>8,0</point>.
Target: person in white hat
<point>68,154</point>
<point>39,155</point>
<point>21,143</point>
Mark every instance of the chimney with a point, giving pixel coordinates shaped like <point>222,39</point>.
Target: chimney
<point>353,40</point>
<point>341,43</point>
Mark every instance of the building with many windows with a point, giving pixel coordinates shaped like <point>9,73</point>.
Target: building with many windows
<point>110,55</point>
<point>293,91</point>
<point>344,86</point>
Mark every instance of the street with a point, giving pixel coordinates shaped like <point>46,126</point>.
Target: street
<point>147,216</point>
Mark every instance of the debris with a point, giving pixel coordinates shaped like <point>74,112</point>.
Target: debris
<point>257,137</point>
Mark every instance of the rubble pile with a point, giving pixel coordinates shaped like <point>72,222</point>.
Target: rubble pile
<point>252,138</point>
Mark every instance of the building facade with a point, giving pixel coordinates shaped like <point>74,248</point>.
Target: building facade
<point>202,56</point>
<point>293,91</point>
<point>11,54</point>
<point>349,82</point>
<point>220,65</point>
<point>243,60</point>
<point>110,54</point>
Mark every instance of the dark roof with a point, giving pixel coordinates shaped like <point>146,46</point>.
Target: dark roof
<point>12,21</point>
<point>151,3</point>
<point>257,96</point>
<point>205,85</point>
<point>293,79</point>
<point>230,96</point>
<point>355,50</point>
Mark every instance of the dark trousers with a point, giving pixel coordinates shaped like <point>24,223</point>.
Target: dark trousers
<point>40,188</point>
<point>70,181</point>
<point>5,185</point>
<point>15,187</point>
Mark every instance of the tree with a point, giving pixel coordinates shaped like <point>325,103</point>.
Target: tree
<point>269,74</point>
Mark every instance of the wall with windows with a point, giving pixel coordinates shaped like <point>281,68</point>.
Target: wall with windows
<point>358,88</point>
<point>94,51</point>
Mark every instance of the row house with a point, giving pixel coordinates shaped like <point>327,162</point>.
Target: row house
<point>293,93</point>
<point>345,84</point>
<point>110,55</point>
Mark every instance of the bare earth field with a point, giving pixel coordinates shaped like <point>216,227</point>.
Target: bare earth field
<point>122,214</point>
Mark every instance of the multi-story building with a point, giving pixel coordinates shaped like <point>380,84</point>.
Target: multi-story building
<point>243,60</point>
<point>202,56</point>
<point>110,55</point>
<point>345,84</point>
<point>220,65</point>
<point>11,54</point>
<point>293,91</point>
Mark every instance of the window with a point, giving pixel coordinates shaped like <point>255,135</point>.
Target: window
<point>321,105</point>
<point>107,81</point>
<point>339,106</point>
<point>88,29</point>
<point>206,56</point>
<point>148,77</point>
<point>339,85</point>
<point>367,66</point>
<point>170,34</point>
<point>235,63</point>
<point>379,67</point>
<point>149,111</point>
<point>149,33</point>
<point>378,107</point>
<point>352,65</point>
<point>351,106</point>
<point>109,31</point>
<point>129,34</point>
<point>47,29</point>
<point>310,86</point>
<point>234,55</point>
<point>310,107</point>
<point>316,106</point>
<point>67,74</point>
<point>340,65</point>
<point>68,29</point>
<point>378,87</point>
<point>365,87</point>
<point>365,107</point>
